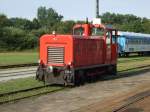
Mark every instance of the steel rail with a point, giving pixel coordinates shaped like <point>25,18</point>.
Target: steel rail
<point>134,99</point>
<point>27,90</point>
<point>17,73</point>
<point>18,65</point>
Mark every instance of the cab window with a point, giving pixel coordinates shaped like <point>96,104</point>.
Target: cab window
<point>97,31</point>
<point>114,37</point>
<point>108,38</point>
<point>78,31</point>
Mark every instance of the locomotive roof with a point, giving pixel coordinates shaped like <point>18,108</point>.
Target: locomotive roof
<point>132,34</point>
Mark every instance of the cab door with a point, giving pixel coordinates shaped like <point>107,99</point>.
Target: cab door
<point>108,47</point>
<point>114,49</point>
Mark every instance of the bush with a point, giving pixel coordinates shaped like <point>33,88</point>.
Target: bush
<point>17,39</point>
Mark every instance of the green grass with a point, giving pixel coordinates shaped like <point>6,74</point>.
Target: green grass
<point>22,84</point>
<point>14,58</point>
<point>127,59</point>
<point>29,94</point>
<point>125,64</point>
<point>19,84</point>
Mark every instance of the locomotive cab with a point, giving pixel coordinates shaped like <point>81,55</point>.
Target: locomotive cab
<point>69,59</point>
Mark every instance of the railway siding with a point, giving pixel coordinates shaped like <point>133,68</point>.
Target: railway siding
<point>9,74</point>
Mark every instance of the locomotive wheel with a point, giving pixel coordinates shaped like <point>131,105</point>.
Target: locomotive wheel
<point>40,74</point>
<point>79,78</point>
<point>112,70</point>
<point>82,77</point>
<point>127,54</point>
<point>77,82</point>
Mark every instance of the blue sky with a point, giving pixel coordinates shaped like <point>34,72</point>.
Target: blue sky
<point>74,9</point>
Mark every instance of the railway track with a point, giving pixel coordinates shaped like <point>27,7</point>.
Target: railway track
<point>26,72</point>
<point>134,99</point>
<point>11,94</point>
<point>18,65</point>
<point>8,74</point>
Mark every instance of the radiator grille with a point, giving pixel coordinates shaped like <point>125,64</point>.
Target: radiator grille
<point>55,55</point>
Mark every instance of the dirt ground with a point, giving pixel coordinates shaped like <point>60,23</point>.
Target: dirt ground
<point>137,100</point>
<point>93,96</point>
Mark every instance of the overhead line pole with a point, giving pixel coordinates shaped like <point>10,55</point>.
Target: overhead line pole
<point>97,8</point>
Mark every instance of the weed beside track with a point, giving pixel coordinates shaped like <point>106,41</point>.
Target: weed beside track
<point>26,93</point>
<point>17,89</point>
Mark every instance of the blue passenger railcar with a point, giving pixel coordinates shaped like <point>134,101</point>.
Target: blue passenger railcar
<point>129,42</point>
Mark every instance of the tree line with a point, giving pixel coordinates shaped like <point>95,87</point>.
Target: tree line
<point>19,34</point>
<point>127,22</point>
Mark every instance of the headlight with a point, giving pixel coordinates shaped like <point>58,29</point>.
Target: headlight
<point>50,69</point>
<point>39,61</point>
<point>69,63</point>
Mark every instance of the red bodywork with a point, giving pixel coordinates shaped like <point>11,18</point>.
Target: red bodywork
<point>65,41</point>
<point>79,51</point>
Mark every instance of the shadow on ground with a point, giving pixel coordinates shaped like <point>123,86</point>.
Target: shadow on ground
<point>126,73</point>
<point>122,74</point>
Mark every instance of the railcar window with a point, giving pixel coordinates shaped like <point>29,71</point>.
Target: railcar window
<point>78,31</point>
<point>97,31</point>
<point>145,41</point>
<point>133,41</point>
<point>148,41</point>
<point>127,41</point>
<point>138,41</point>
<point>142,41</point>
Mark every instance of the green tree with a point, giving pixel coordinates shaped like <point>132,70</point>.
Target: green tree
<point>13,38</point>
<point>3,21</point>
<point>64,27</point>
<point>48,17</point>
<point>36,24</point>
<point>24,24</point>
<point>146,25</point>
<point>127,22</point>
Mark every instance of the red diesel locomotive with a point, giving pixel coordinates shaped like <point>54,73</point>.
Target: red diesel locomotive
<point>69,59</point>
